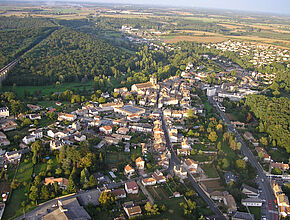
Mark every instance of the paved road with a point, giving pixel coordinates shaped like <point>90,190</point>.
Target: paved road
<point>272,212</point>
<point>175,161</point>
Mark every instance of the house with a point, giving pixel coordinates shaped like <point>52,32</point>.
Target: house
<point>122,130</point>
<point>176,194</point>
<point>76,126</point>
<point>131,187</point>
<point>266,156</point>
<point>107,129</point>
<point>141,127</point>
<point>9,125</point>
<point>180,172</point>
<point>133,117</point>
<point>68,209</point>
<point>37,134</point>
<point>79,137</point>
<point>13,156</point>
<point>128,170</point>
<point>66,117</point>
<point>55,144</point>
<point>149,181</point>
<point>140,163</point>
<point>191,165</point>
<point>34,116</point>
<point>28,139</point>
<point>255,202</point>
<point>61,182</point>
<point>243,216</point>
<point>4,112</point>
<point>4,142</point>
<point>183,152</point>
<point>158,176</point>
<point>33,107</point>
<point>119,193</point>
<point>185,144</point>
<point>217,195</point>
<point>133,211</point>
<point>229,176</point>
<point>281,166</point>
<point>249,191</point>
<point>230,202</point>
<point>142,86</point>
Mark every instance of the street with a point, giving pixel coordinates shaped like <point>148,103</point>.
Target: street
<point>271,211</point>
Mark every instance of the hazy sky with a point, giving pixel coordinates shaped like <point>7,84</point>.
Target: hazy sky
<point>275,6</point>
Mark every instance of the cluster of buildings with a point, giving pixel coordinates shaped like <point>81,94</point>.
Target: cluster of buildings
<point>282,199</point>
<point>261,54</point>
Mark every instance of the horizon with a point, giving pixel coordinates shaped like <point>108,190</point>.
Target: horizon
<point>281,7</point>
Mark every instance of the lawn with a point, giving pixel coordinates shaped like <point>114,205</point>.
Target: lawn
<point>173,210</point>
<point>256,211</point>
<point>210,170</point>
<point>13,206</point>
<point>46,90</point>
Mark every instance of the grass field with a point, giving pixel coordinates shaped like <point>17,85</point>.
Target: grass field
<point>46,90</point>
<point>173,210</point>
<point>210,170</point>
<point>199,39</point>
<point>23,175</point>
<point>256,211</point>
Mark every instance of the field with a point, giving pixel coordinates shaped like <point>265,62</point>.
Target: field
<point>158,193</point>
<point>213,185</point>
<point>46,90</point>
<point>23,175</point>
<point>173,210</point>
<point>198,39</point>
<point>210,170</point>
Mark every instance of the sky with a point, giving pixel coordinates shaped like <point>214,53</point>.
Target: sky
<point>272,6</point>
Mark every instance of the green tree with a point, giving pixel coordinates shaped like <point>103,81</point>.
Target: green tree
<point>44,192</point>
<point>213,136</point>
<point>107,198</point>
<point>151,209</point>
<point>241,164</point>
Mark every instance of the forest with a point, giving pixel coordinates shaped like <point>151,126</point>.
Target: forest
<point>274,117</point>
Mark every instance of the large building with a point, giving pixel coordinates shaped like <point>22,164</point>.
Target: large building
<point>68,209</point>
<point>129,110</point>
<point>4,112</point>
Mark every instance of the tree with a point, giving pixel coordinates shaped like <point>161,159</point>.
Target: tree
<point>58,171</point>
<point>33,195</point>
<point>92,181</point>
<point>15,184</point>
<point>264,141</point>
<point>241,164</point>
<point>276,171</point>
<point>44,192</point>
<point>225,163</point>
<point>212,136</point>
<point>107,198</point>
<point>190,113</point>
<point>151,209</point>
<point>102,100</point>
<point>219,127</point>
<point>71,187</point>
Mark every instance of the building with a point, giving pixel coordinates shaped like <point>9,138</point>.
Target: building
<point>129,110</point>
<point>133,211</point>
<point>9,125</point>
<point>68,209</point>
<point>38,134</point>
<point>183,152</point>
<point>55,144</point>
<point>149,181</point>
<point>131,187</point>
<point>122,130</point>
<point>243,216</point>
<point>210,91</point>
<point>61,182</point>
<point>140,163</point>
<point>107,129</point>
<point>66,117</point>
<point>4,112</point>
<point>28,139</point>
<point>158,176</point>
<point>255,202</point>
<point>229,176</point>
<point>128,170</point>
<point>230,202</point>
<point>119,193</point>
<point>217,195</point>
<point>142,87</point>
<point>13,156</point>
<point>249,191</point>
<point>180,172</point>
<point>281,166</point>
<point>191,165</point>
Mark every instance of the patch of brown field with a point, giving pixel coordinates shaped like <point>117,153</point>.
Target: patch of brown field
<point>198,39</point>
<point>198,32</point>
<point>213,185</point>
<point>123,16</point>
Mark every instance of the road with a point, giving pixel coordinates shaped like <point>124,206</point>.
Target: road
<point>175,161</point>
<point>272,212</point>
<point>4,71</point>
